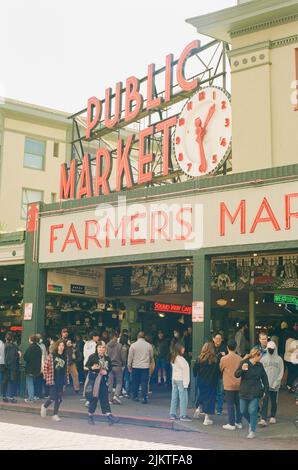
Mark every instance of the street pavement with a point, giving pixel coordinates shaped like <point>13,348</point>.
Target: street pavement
<point>28,431</point>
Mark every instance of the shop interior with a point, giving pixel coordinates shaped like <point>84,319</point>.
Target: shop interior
<point>11,298</point>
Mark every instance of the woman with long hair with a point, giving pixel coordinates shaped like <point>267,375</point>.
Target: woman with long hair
<point>253,386</point>
<point>207,372</point>
<point>56,375</point>
<point>99,366</point>
<point>180,383</point>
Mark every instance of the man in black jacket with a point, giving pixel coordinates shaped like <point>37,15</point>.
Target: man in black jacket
<point>32,358</point>
<point>220,351</point>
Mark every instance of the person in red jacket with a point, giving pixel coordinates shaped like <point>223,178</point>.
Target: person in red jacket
<point>56,375</point>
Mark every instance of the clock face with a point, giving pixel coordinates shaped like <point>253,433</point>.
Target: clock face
<point>204,132</point>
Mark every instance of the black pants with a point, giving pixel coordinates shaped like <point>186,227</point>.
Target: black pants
<point>273,397</point>
<point>233,405</point>
<point>103,397</point>
<point>140,377</point>
<point>56,392</point>
<point>292,373</point>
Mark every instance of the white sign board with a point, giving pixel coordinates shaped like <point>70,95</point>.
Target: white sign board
<point>256,214</point>
<point>28,309</point>
<point>198,312</point>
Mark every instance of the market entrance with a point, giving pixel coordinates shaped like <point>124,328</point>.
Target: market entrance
<point>150,297</point>
<point>257,289</point>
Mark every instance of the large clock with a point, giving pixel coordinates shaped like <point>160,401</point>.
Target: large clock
<point>204,132</point>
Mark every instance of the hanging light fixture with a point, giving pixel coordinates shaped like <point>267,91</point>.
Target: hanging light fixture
<point>222,302</point>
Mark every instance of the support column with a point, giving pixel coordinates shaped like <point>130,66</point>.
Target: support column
<point>34,285</point>
<point>252,317</point>
<point>201,292</point>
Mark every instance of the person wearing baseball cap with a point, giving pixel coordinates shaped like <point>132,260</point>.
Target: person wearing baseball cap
<point>274,368</point>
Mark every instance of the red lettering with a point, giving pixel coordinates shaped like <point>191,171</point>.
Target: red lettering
<point>151,102</point>
<point>169,77</point>
<point>184,223</point>
<point>165,126</point>
<point>102,177</point>
<point>289,214</point>
<point>110,123</point>
<point>134,228</point>
<point>224,210</point>
<point>183,83</point>
<point>144,159</point>
<point>271,217</point>
<point>94,237</point>
<point>68,180</point>
<point>85,182</point>
<point>132,95</point>
<point>93,114</point>
<point>161,229</point>
<point>123,163</point>
<point>123,225</point>
<point>52,235</point>
<point>70,241</point>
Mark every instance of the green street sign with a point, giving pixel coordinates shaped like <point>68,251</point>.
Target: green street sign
<point>285,299</point>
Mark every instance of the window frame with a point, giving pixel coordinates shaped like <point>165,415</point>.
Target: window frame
<point>22,203</point>
<point>44,156</point>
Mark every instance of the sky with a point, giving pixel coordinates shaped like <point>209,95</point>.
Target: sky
<point>58,53</point>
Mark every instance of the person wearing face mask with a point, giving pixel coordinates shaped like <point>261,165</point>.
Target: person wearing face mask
<point>274,368</point>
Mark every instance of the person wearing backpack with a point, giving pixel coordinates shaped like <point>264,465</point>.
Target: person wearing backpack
<point>32,358</point>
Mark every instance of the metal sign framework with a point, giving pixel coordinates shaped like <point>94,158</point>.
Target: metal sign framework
<point>212,71</point>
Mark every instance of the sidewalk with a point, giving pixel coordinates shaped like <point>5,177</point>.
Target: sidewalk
<point>156,414</point>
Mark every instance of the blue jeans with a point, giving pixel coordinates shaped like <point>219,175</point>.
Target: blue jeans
<point>249,409</point>
<point>30,386</point>
<point>179,393</point>
<point>126,380</point>
<point>219,396</point>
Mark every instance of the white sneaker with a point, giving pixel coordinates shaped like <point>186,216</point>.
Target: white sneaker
<point>251,435</point>
<point>56,418</point>
<point>87,403</point>
<point>272,420</point>
<point>262,422</point>
<point>43,411</point>
<point>197,414</point>
<point>238,425</point>
<point>207,421</point>
<point>117,400</point>
<point>229,427</point>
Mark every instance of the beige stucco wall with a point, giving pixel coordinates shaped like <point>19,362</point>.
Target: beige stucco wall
<point>264,121</point>
<point>14,176</point>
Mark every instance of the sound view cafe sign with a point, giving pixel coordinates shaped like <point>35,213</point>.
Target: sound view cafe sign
<point>202,142</point>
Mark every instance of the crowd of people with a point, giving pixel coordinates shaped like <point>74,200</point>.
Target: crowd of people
<point>248,382</point>
<point>108,367</point>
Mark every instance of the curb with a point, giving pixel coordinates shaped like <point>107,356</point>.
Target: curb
<point>134,420</point>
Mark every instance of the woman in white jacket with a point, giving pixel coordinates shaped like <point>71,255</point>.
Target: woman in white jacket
<point>274,368</point>
<point>180,383</point>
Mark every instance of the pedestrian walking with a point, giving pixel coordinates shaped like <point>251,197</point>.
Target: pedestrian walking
<point>11,369</point>
<point>57,376</point>
<point>180,383</point>
<point>162,357</point>
<point>64,335</point>
<point>262,344</point>
<point>228,366</point>
<point>90,346</point>
<point>72,367</point>
<point>253,386</point>
<point>39,382</point>
<point>220,351</point>
<point>240,339</point>
<point>139,358</point>
<point>99,366</point>
<point>124,341</point>
<point>206,369</point>
<point>117,355</point>
<point>79,349</point>
<point>274,368</point>
<point>291,357</point>
<point>2,362</point>
<point>32,358</point>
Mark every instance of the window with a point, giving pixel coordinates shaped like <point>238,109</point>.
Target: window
<point>53,197</point>
<point>56,150</point>
<point>28,196</point>
<point>34,154</point>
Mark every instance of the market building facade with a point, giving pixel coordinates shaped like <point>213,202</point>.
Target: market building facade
<point>219,241</point>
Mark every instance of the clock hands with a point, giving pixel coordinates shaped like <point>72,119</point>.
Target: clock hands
<point>200,133</point>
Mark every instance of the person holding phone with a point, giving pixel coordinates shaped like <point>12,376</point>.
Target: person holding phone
<point>253,386</point>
